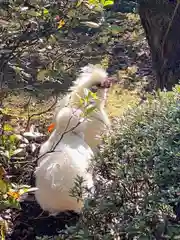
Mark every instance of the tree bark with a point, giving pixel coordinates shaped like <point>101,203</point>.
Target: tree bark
<point>161,22</point>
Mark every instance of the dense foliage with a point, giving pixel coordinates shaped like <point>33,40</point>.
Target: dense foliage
<point>44,43</point>
<point>47,40</point>
<point>137,176</point>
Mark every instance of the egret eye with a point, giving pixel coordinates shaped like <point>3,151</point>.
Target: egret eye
<point>94,89</point>
<point>99,85</point>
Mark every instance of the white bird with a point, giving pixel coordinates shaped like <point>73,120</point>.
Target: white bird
<point>69,118</point>
<point>93,78</point>
<point>57,170</point>
<point>71,146</point>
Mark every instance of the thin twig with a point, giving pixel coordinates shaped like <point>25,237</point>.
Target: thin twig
<point>62,135</point>
<point>40,113</point>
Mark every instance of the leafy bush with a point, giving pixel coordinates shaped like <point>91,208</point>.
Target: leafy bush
<point>137,176</point>
<point>32,34</point>
<point>126,6</point>
<point>10,192</point>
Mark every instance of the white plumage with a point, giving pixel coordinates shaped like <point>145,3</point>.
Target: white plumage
<point>69,120</point>
<point>72,151</point>
<point>92,78</point>
<point>57,171</point>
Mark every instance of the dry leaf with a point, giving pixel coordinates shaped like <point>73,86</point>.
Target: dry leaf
<point>51,127</point>
<point>61,23</point>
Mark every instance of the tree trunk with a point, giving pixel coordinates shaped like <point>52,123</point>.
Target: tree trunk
<point>161,22</point>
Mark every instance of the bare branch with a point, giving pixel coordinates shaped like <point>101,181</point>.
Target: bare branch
<point>41,113</point>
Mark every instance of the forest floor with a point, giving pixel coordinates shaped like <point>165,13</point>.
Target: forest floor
<point>132,66</point>
<point>26,109</point>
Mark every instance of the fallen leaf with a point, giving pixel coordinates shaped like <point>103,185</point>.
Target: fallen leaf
<point>14,194</point>
<point>61,23</point>
<point>51,127</point>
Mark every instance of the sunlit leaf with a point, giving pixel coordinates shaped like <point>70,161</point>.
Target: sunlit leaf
<point>42,75</point>
<point>45,11</point>
<point>86,100</point>
<point>91,24</point>
<point>94,95</point>
<point>61,23</point>
<point>51,127</point>
<point>95,4</point>
<point>4,228</point>
<point>7,154</point>
<point>79,3</point>
<point>81,101</point>
<point>132,70</point>
<point>13,202</point>
<point>116,29</point>
<point>7,127</point>
<point>3,186</point>
<point>52,39</point>
<point>71,13</point>
<point>107,3</point>
<point>12,138</point>
<point>14,194</point>
<point>23,190</point>
<point>17,69</point>
<point>90,109</point>
<point>34,13</point>
<point>23,9</point>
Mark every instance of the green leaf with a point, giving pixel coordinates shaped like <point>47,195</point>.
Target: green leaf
<point>94,95</point>
<point>97,4</point>
<point>45,11</point>
<point>93,2</point>
<point>115,29</point>
<point>79,3</point>
<point>34,13</point>
<point>3,228</point>
<point>17,69</point>
<point>14,203</point>
<point>3,186</point>
<point>52,39</point>
<point>12,138</point>
<point>91,24</point>
<point>107,3</point>
<point>42,75</point>
<point>90,109</point>
<point>81,101</point>
<point>7,127</point>
<point>71,13</point>
<point>23,190</point>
